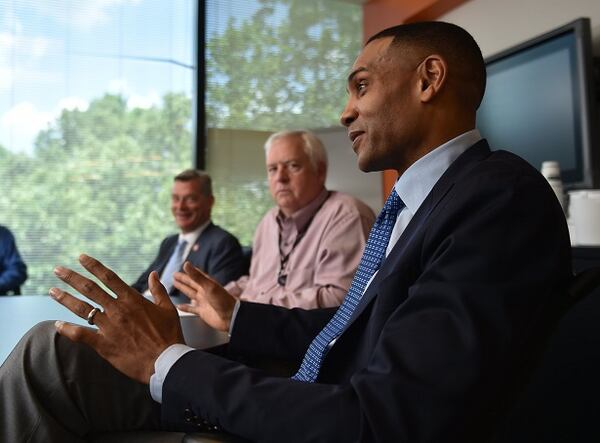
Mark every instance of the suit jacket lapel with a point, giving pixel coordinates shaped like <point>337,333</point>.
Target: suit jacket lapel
<point>171,243</point>
<point>197,250</point>
<point>458,168</point>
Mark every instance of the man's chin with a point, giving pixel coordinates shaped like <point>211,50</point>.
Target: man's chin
<point>368,162</point>
<point>187,228</point>
<point>184,225</point>
<point>287,207</point>
<point>283,199</point>
<point>367,165</point>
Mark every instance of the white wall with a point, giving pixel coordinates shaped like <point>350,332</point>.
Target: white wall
<point>343,174</point>
<point>500,24</point>
<point>237,156</point>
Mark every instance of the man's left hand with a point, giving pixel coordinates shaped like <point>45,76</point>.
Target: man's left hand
<point>132,331</point>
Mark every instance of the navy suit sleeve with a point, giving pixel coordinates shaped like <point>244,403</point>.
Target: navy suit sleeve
<point>13,271</point>
<point>141,284</point>
<point>284,333</point>
<point>430,355</point>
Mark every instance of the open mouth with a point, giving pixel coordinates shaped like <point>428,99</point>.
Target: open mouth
<point>355,137</point>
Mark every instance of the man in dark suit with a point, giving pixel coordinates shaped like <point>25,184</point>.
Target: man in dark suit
<point>207,246</point>
<point>431,338</point>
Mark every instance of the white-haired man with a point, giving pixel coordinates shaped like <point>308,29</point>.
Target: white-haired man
<point>306,249</point>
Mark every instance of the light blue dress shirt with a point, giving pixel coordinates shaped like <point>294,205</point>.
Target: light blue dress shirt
<point>412,187</point>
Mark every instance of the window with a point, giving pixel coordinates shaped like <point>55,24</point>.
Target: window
<point>95,119</point>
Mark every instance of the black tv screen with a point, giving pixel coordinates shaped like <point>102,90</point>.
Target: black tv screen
<point>539,103</point>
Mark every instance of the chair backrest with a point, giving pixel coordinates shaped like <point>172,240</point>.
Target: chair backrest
<point>15,291</point>
<point>584,284</point>
<point>247,254</point>
<point>560,402</point>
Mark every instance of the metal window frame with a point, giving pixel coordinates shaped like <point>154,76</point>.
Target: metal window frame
<point>199,111</point>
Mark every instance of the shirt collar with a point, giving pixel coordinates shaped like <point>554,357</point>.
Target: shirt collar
<point>304,215</point>
<point>417,181</point>
<point>191,237</point>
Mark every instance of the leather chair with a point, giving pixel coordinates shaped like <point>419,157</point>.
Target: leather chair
<point>15,291</point>
<point>560,401</point>
<point>166,437</point>
<point>247,254</point>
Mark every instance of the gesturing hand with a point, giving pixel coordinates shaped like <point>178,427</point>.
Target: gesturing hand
<point>132,331</point>
<point>210,300</point>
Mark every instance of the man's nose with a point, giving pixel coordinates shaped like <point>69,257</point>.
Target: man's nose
<point>282,174</point>
<point>349,114</point>
<point>178,205</point>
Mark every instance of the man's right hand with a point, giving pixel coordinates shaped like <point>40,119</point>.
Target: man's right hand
<point>210,300</point>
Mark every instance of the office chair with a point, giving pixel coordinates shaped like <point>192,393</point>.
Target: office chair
<point>165,437</point>
<point>584,283</point>
<point>560,401</point>
<point>247,254</point>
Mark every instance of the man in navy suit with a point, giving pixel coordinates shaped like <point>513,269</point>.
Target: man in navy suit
<point>476,264</point>
<point>208,247</point>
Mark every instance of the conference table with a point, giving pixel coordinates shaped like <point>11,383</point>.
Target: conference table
<point>19,313</point>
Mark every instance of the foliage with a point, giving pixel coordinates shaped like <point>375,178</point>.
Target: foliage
<point>284,67</point>
<point>98,183</point>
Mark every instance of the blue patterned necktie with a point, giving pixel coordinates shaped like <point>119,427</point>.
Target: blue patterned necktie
<point>173,265</point>
<point>372,257</point>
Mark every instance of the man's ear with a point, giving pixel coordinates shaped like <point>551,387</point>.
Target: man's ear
<point>432,76</point>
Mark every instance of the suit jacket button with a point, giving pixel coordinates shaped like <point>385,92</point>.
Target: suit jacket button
<point>188,415</point>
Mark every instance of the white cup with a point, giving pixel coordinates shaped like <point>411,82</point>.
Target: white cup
<point>584,217</point>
